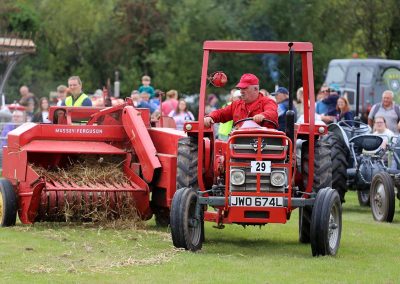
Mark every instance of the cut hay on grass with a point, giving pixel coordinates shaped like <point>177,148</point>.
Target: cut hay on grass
<point>108,208</point>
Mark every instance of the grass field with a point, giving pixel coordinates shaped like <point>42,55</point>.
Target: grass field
<point>68,253</point>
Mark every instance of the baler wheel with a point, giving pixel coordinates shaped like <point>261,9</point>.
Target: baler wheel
<point>326,223</point>
<point>8,204</point>
<point>187,225</point>
<point>382,197</point>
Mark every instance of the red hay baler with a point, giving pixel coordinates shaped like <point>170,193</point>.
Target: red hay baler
<point>146,156</point>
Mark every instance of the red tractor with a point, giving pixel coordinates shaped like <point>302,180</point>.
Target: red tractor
<point>38,157</point>
<point>256,178</point>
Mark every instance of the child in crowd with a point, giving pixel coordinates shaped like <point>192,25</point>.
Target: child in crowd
<point>146,88</point>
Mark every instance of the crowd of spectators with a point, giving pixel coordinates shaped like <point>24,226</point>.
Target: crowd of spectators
<point>330,106</point>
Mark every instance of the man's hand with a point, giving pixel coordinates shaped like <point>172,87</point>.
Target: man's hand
<point>208,121</point>
<point>258,118</point>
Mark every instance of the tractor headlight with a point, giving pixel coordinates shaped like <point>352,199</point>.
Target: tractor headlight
<point>278,178</point>
<point>237,177</point>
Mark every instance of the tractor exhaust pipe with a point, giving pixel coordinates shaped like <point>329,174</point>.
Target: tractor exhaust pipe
<point>357,116</point>
<point>290,114</point>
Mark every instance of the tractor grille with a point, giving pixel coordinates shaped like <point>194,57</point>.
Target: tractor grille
<point>245,149</point>
<point>251,182</point>
<point>249,145</point>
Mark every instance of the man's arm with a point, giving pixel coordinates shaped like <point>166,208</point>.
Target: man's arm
<point>222,115</point>
<point>270,111</point>
<point>370,117</point>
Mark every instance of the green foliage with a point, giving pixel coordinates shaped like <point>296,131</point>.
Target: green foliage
<point>163,38</point>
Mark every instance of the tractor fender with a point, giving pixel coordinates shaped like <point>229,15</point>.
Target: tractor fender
<point>340,133</point>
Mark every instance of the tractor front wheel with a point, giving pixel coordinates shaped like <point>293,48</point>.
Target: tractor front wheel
<point>187,221</point>
<point>382,197</point>
<point>326,223</point>
<point>8,204</point>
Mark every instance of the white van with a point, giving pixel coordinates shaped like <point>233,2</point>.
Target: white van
<point>377,75</point>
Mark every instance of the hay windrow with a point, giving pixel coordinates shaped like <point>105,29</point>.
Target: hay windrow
<point>87,170</point>
<point>110,208</point>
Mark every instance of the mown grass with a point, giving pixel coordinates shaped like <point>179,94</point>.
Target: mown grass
<point>68,253</point>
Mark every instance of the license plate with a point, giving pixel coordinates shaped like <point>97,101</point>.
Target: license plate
<point>261,167</point>
<point>256,201</point>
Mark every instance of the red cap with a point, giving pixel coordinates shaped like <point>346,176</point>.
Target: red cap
<point>247,80</point>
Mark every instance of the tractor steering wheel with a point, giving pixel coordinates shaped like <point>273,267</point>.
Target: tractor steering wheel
<point>251,118</point>
<point>357,128</point>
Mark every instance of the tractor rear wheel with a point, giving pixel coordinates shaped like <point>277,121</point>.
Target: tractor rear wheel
<point>363,198</point>
<point>339,154</point>
<point>8,204</point>
<point>322,179</point>
<point>322,165</point>
<point>304,224</point>
<point>162,217</point>
<point>187,225</point>
<point>326,223</point>
<point>187,163</point>
<point>382,197</point>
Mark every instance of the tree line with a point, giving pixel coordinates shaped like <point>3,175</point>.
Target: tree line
<point>163,38</point>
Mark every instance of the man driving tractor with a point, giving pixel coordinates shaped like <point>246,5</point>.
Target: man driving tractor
<point>252,104</point>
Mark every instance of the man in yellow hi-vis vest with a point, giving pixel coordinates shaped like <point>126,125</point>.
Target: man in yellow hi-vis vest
<point>225,128</point>
<point>77,97</point>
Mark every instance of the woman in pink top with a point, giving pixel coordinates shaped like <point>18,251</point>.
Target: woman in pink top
<point>181,114</point>
<point>171,103</point>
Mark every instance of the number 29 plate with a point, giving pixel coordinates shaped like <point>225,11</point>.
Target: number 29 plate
<point>256,201</point>
<point>261,167</point>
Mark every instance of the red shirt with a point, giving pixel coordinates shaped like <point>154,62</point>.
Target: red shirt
<point>239,110</point>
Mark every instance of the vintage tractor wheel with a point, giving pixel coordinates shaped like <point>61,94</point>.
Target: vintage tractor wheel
<point>339,154</point>
<point>8,204</point>
<point>322,165</point>
<point>363,198</point>
<point>304,224</point>
<point>187,163</point>
<point>186,227</point>
<point>326,223</point>
<point>382,197</point>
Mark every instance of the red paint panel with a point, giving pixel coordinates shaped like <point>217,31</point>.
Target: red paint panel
<point>141,141</point>
<point>256,46</point>
<point>47,146</point>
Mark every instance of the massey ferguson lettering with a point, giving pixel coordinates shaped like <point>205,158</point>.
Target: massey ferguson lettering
<point>78,131</point>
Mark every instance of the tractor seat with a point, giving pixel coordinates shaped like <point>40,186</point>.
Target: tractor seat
<point>366,142</point>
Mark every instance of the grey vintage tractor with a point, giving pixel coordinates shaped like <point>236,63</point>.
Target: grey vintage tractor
<point>356,158</point>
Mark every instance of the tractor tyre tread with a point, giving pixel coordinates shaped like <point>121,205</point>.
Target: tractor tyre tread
<point>187,163</point>
<point>322,165</point>
<point>339,154</point>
